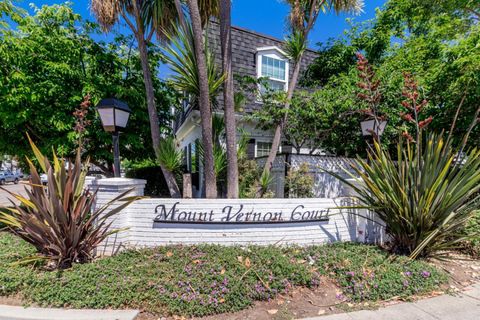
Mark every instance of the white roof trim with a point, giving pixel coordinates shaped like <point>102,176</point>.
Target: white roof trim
<point>273,48</point>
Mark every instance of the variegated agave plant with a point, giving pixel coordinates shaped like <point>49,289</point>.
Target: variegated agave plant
<point>58,219</point>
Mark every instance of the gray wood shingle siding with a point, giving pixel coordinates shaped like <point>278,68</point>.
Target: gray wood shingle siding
<point>244,49</point>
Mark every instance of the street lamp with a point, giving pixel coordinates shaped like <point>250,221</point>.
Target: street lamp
<point>114,115</point>
<point>373,127</point>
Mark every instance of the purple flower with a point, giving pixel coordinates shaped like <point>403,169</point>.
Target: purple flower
<point>425,274</point>
<point>339,296</point>
<point>407,273</point>
<point>350,274</point>
<point>162,290</point>
<point>188,270</point>
<point>259,288</point>
<point>174,295</point>
<point>405,283</point>
<point>225,281</point>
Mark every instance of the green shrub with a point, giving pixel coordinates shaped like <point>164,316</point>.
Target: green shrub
<point>247,175</point>
<point>299,183</point>
<point>252,181</point>
<point>170,157</point>
<point>472,232</point>
<point>210,279</point>
<point>156,185</point>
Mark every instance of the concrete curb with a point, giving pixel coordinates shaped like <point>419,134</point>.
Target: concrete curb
<point>21,313</point>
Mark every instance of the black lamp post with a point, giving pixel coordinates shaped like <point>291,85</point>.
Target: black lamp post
<point>373,127</point>
<point>114,115</point>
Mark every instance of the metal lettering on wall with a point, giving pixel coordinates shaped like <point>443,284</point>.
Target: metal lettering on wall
<point>239,215</point>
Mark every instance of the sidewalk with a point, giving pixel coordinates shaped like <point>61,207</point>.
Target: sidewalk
<point>21,313</point>
<point>463,306</point>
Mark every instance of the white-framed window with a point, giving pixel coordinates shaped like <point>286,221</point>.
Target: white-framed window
<point>272,63</point>
<point>262,148</point>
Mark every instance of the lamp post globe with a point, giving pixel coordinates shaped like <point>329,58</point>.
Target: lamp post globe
<point>374,126</point>
<point>114,115</point>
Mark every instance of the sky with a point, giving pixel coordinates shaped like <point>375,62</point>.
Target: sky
<point>263,16</point>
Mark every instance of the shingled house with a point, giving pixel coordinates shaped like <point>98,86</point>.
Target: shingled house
<point>255,55</point>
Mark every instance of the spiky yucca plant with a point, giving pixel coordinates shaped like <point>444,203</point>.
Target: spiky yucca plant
<point>59,220</point>
<point>426,192</point>
<point>424,198</point>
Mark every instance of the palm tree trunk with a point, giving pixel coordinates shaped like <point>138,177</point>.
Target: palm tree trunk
<point>229,109</point>
<point>181,16</point>
<point>204,100</point>
<point>278,130</point>
<point>152,108</point>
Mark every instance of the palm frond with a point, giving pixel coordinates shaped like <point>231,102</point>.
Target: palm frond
<point>181,58</point>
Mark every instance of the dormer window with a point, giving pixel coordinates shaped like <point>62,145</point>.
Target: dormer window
<point>272,63</point>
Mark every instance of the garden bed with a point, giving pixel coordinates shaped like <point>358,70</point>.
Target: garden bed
<point>208,279</point>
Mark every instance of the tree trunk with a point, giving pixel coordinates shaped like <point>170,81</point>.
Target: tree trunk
<point>181,16</point>
<point>278,130</point>
<point>152,109</point>
<point>204,100</point>
<point>229,108</point>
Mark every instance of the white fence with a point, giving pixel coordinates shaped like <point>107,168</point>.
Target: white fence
<point>325,185</point>
<point>155,221</point>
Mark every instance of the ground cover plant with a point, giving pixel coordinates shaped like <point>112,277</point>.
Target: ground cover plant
<point>210,279</point>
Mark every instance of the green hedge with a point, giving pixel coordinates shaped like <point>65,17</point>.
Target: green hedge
<point>156,185</point>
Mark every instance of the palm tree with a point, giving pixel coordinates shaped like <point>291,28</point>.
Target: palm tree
<point>302,17</point>
<point>198,19</point>
<point>183,62</point>
<point>145,18</point>
<point>228,98</point>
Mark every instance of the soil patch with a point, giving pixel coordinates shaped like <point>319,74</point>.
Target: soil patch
<point>462,270</point>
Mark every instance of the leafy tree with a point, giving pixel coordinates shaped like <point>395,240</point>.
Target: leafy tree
<point>333,58</point>
<point>302,17</point>
<point>48,63</point>
<point>438,44</point>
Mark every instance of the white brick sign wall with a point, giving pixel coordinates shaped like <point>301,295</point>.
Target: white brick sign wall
<point>155,221</point>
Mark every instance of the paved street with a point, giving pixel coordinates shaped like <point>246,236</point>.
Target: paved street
<point>464,306</point>
<point>15,188</point>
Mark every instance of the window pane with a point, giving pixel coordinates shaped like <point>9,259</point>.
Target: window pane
<point>263,148</point>
<point>274,68</point>
<point>273,86</point>
<point>282,70</point>
<point>276,85</point>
